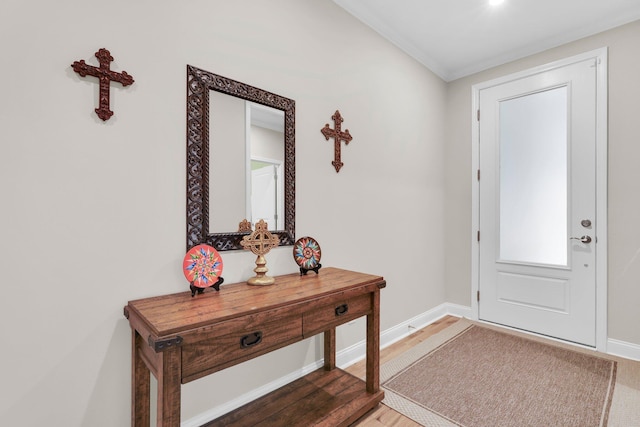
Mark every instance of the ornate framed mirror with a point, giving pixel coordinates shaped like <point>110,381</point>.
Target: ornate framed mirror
<point>202,160</point>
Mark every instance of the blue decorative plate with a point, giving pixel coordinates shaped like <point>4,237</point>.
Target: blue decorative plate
<point>306,253</point>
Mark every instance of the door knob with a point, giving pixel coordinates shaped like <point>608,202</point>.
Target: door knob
<point>583,239</point>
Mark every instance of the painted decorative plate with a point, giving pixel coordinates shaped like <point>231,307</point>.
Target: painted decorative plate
<point>202,266</point>
<point>306,253</point>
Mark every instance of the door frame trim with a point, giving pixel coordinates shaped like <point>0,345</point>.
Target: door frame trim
<point>601,55</point>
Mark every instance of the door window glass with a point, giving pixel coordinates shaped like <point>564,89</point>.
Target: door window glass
<point>533,178</point>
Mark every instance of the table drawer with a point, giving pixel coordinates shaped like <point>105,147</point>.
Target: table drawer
<point>237,345</point>
<point>337,313</point>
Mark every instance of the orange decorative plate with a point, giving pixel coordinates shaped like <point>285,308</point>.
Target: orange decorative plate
<point>202,266</point>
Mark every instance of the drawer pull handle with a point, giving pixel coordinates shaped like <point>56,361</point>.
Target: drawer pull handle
<point>342,309</point>
<point>251,339</point>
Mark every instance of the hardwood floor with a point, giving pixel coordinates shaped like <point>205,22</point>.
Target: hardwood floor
<point>383,415</point>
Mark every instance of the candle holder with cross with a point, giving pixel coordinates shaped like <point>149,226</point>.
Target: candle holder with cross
<point>260,242</point>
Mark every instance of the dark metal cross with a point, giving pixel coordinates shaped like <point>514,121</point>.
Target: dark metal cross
<point>338,136</point>
<point>105,75</point>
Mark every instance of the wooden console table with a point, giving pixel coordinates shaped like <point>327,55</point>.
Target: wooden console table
<point>180,338</point>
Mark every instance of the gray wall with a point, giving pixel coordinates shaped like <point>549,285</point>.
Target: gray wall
<point>93,213</point>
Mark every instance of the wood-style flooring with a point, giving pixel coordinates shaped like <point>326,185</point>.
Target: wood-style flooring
<point>383,415</point>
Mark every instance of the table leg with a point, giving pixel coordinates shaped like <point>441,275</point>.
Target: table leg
<point>373,345</point>
<point>140,381</point>
<point>169,388</point>
<point>330,349</point>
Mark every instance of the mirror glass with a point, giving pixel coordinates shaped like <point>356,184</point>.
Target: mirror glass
<point>255,190</point>
<point>265,171</point>
<point>240,160</point>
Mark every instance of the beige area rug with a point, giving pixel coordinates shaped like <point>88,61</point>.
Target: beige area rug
<point>475,375</point>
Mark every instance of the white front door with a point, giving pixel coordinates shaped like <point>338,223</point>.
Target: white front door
<point>264,196</point>
<point>538,221</point>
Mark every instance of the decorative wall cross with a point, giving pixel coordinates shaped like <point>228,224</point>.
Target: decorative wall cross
<point>105,75</point>
<point>338,136</point>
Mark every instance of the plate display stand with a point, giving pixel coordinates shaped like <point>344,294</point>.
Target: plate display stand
<point>200,289</point>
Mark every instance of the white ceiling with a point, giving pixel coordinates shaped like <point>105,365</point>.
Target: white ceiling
<point>455,38</point>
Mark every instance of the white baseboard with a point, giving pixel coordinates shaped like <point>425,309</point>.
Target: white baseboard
<point>350,355</point>
<point>356,352</point>
<point>623,349</point>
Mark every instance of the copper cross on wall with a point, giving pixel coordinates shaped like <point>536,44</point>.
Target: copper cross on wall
<point>105,75</point>
<point>338,136</point>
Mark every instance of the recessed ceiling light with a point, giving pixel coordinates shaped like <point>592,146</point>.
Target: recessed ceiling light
<point>495,2</point>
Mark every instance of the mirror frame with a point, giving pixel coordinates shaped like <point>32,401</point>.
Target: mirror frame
<point>199,83</point>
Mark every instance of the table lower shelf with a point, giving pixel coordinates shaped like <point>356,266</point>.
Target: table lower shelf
<point>322,398</point>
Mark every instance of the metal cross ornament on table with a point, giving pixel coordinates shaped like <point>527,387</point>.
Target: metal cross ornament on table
<point>338,136</point>
<point>106,76</point>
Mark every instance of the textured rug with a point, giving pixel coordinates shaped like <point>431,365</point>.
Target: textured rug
<point>474,375</point>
